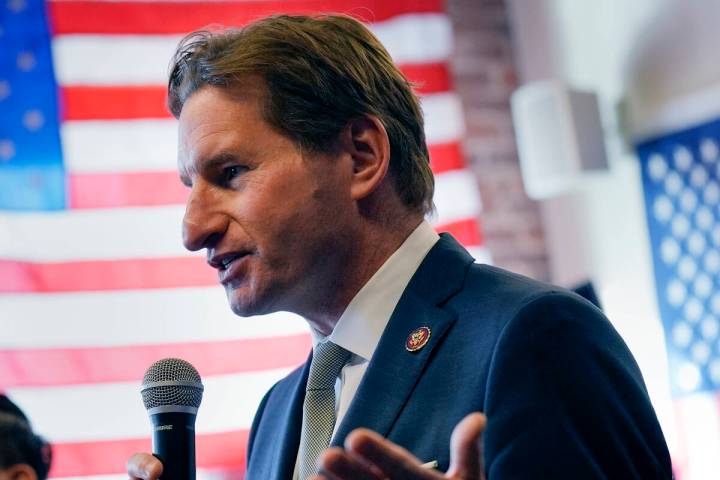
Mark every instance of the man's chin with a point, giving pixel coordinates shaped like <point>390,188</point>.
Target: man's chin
<point>244,309</point>
<point>248,302</point>
<point>245,306</point>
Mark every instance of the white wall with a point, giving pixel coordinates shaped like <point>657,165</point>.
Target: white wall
<point>673,64</point>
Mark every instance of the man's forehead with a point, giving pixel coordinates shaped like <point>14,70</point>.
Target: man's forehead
<point>242,90</point>
<point>210,107</point>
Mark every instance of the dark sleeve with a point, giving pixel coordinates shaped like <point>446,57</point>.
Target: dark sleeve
<point>256,422</point>
<point>565,399</point>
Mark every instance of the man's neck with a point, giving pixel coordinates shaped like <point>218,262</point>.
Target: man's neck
<point>367,257</point>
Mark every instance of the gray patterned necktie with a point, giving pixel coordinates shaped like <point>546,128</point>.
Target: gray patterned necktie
<point>319,407</point>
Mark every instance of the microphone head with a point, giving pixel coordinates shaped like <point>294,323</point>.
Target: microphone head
<point>171,385</point>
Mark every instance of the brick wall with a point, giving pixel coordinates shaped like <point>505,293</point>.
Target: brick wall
<point>484,76</point>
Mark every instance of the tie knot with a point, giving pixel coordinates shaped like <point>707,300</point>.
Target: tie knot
<point>327,361</point>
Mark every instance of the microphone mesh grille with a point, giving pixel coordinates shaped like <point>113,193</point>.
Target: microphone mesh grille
<point>172,370</point>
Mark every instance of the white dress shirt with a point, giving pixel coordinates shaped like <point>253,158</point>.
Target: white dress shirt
<point>362,323</point>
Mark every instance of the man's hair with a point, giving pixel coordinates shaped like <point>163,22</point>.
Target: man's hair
<point>20,445</point>
<point>320,72</point>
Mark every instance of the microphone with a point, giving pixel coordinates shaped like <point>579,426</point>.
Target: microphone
<point>172,392</point>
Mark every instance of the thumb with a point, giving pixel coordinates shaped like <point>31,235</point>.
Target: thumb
<point>466,462</point>
<point>144,466</point>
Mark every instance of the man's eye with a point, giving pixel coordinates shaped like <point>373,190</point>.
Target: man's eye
<point>229,173</point>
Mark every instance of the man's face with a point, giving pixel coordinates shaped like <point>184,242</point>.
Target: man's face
<point>274,220</point>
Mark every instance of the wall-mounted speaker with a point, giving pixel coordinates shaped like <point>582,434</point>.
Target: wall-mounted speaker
<point>559,135</point>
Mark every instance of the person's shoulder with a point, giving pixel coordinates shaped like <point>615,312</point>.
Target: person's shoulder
<point>498,277</point>
<point>494,302</point>
<point>492,286</point>
<point>525,308</point>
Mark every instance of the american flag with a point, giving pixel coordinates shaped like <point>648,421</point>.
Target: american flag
<point>681,178</point>
<point>94,282</point>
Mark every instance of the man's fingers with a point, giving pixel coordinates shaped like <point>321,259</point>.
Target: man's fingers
<point>391,460</point>
<point>144,466</point>
<point>369,456</point>
<point>337,463</point>
<point>466,448</point>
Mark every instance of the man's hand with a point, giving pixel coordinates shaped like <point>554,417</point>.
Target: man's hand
<point>143,466</point>
<point>368,456</point>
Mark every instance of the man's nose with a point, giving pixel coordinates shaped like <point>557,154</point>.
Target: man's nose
<point>203,224</point>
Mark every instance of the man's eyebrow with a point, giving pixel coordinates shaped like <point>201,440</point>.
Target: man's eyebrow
<point>219,158</point>
<point>212,162</point>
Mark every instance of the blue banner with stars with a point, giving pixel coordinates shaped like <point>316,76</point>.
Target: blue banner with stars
<point>681,179</point>
<point>32,176</point>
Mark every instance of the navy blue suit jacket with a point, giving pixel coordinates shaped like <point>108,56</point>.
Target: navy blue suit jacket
<point>563,395</point>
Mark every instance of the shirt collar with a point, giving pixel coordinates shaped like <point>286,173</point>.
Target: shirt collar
<point>362,323</point>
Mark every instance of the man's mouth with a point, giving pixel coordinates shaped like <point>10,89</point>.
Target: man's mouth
<point>227,262</point>
<point>231,268</point>
<point>223,261</point>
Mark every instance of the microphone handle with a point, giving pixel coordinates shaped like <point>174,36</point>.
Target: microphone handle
<point>174,444</point>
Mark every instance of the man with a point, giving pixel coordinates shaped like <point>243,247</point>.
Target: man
<point>304,150</point>
<point>23,455</point>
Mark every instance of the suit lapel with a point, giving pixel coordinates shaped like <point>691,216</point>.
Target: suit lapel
<point>393,372</point>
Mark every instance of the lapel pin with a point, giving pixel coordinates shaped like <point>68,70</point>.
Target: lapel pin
<point>417,339</point>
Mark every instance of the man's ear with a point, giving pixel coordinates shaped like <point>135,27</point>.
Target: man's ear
<point>368,144</point>
<point>20,471</point>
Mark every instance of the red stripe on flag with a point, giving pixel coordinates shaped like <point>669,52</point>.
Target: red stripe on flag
<point>137,189</point>
<point>73,17</point>
<point>467,232</point>
<point>141,189</point>
<point>225,451</point>
<point>66,366</point>
<point>428,78</point>
<point>84,102</point>
<point>445,157</point>
<point>95,275</point>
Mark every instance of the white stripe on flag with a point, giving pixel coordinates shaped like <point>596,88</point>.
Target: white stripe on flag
<point>151,145</point>
<point>104,59</point>
<point>113,59</point>
<point>115,410</point>
<point>132,318</point>
<point>150,232</point>
<point>406,37</point>
<point>456,196</point>
<point>444,120</point>
<point>120,146</point>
